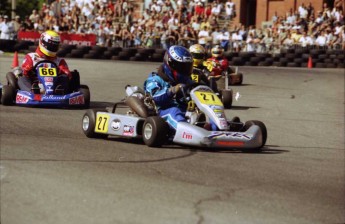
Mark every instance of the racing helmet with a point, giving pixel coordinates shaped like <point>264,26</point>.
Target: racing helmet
<point>49,43</point>
<point>199,54</point>
<point>178,63</point>
<point>217,51</point>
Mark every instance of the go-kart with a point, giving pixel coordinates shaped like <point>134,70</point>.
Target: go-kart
<point>48,94</point>
<point>141,121</point>
<point>204,77</point>
<point>229,76</point>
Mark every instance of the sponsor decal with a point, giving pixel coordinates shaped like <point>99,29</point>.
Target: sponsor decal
<point>128,130</point>
<point>238,135</point>
<point>22,98</point>
<point>225,143</point>
<point>116,124</point>
<point>76,100</point>
<point>49,83</point>
<point>37,97</point>
<point>48,79</point>
<point>223,122</point>
<point>52,97</point>
<point>186,135</point>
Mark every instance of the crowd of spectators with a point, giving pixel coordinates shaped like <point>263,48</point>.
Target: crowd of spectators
<point>184,22</point>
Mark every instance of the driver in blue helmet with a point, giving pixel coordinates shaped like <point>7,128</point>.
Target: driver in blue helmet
<point>172,76</point>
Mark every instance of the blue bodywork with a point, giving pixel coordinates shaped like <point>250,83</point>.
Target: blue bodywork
<point>29,99</point>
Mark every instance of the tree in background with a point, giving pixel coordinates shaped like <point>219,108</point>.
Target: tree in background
<point>23,7</point>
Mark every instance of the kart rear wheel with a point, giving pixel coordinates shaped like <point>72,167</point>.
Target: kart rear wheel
<point>8,95</point>
<point>155,131</point>
<point>89,122</point>
<point>84,89</point>
<point>263,128</point>
<point>226,97</point>
<point>240,78</point>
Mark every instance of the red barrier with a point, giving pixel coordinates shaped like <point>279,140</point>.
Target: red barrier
<point>66,38</point>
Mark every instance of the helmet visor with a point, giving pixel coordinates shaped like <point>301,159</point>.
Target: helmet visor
<point>183,68</point>
<point>198,55</point>
<point>50,45</point>
<point>218,52</point>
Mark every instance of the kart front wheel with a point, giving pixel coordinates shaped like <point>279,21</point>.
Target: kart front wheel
<point>12,80</point>
<point>155,131</point>
<point>8,95</point>
<point>226,96</point>
<point>89,122</point>
<point>263,128</point>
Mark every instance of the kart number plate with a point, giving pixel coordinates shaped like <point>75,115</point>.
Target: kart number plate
<point>195,78</point>
<point>102,121</point>
<point>208,98</point>
<point>47,72</point>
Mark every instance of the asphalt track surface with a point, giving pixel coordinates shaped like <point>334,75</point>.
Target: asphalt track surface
<point>52,173</point>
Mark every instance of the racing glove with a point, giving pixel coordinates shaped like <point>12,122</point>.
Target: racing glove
<point>175,89</point>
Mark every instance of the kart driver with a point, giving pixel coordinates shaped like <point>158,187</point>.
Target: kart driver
<point>217,63</point>
<point>165,84</point>
<point>199,56</point>
<point>48,46</point>
<point>170,78</point>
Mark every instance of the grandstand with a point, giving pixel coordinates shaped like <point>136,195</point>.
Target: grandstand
<point>290,32</point>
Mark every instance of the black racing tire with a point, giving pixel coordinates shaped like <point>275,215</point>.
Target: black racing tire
<point>155,131</point>
<point>226,97</point>
<point>263,128</point>
<point>89,122</point>
<point>84,89</point>
<point>241,79</point>
<point>8,95</point>
<point>75,81</point>
<point>231,82</point>
<point>12,80</point>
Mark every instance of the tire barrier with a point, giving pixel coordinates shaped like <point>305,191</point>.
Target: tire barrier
<point>298,57</point>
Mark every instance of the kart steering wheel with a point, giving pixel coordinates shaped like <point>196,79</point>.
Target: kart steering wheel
<point>184,94</point>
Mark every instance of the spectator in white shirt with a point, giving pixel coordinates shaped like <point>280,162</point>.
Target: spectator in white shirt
<point>321,40</point>
<point>306,40</point>
<point>203,37</point>
<point>230,9</point>
<point>5,29</point>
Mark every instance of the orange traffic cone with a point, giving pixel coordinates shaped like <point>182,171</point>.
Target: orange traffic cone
<point>15,60</point>
<point>310,62</point>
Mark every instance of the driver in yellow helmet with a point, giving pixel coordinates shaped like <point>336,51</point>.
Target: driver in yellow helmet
<point>200,73</point>
<point>48,46</point>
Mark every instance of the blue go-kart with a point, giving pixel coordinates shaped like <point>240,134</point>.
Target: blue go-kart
<point>48,94</point>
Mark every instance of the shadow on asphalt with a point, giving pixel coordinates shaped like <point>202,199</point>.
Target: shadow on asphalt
<point>242,108</point>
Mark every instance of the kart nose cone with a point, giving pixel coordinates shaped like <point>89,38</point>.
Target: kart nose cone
<point>86,123</point>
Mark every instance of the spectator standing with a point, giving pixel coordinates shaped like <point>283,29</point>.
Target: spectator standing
<point>34,17</point>
<point>16,26</point>
<point>5,29</point>
<point>203,37</point>
<point>229,10</point>
<point>237,39</point>
<point>57,8</point>
<point>250,44</point>
<point>224,39</point>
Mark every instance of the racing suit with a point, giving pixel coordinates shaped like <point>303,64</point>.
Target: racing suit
<point>158,85</point>
<point>170,108</point>
<point>29,77</point>
<point>219,65</point>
